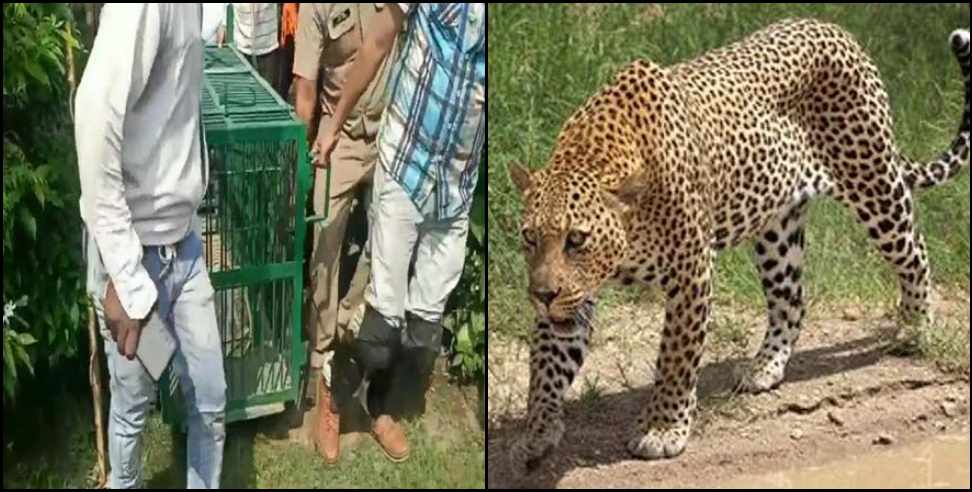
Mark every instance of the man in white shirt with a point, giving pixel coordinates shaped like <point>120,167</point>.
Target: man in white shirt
<point>256,34</point>
<point>143,177</point>
<point>429,144</point>
<point>214,20</point>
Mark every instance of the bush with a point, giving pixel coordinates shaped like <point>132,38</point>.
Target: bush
<point>469,298</point>
<point>42,263</point>
<point>14,349</point>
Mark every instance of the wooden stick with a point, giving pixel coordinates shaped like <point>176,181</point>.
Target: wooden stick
<point>94,361</point>
<point>72,80</point>
<point>94,378</point>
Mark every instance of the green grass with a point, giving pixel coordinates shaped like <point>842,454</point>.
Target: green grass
<point>943,342</point>
<point>730,333</point>
<point>545,60</point>
<point>591,391</point>
<point>448,452</point>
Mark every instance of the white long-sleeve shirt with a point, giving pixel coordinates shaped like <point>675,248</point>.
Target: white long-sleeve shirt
<point>214,18</point>
<point>138,138</point>
<point>255,28</point>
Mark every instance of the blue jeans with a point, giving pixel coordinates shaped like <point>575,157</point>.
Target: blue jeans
<point>185,304</point>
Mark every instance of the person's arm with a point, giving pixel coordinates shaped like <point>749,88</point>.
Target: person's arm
<point>213,19</point>
<point>306,104</point>
<point>372,53</point>
<point>116,75</point>
<point>221,30</point>
<point>308,46</point>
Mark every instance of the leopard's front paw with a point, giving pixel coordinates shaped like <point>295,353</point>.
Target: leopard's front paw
<point>528,452</point>
<point>658,444</point>
<point>760,377</point>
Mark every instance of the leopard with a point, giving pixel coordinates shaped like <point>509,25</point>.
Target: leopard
<point>666,167</point>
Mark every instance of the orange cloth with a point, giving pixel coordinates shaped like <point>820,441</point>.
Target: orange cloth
<point>288,22</point>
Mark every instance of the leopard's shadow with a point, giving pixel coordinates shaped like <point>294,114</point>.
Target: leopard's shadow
<point>596,432</point>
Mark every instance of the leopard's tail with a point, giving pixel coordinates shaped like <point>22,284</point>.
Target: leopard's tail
<point>956,158</point>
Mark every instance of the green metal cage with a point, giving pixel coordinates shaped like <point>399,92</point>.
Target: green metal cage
<point>254,227</point>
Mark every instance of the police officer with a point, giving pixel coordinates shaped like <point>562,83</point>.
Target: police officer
<point>328,38</point>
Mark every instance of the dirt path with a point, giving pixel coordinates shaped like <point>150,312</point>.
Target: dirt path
<point>844,396</point>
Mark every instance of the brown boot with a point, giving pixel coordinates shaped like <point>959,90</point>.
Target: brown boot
<point>391,438</point>
<point>327,434</point>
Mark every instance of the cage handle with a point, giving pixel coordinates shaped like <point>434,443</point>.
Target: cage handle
<point>226,99</point>
<point>321,219</point>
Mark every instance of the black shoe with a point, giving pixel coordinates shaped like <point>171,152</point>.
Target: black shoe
<point>375,351</point>
<point>412,375</point>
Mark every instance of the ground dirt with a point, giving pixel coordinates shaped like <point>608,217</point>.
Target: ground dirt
<point>846,394</point>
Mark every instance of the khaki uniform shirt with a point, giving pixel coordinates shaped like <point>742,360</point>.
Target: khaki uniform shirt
<point>328,38</point>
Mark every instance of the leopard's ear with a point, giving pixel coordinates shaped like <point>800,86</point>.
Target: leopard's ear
<point>624,197</point>
<point>521,177</point>
<point>631,189</point>
<point>614,202</point>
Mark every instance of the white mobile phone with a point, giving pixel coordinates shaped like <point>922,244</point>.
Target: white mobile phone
<point>156,346</point>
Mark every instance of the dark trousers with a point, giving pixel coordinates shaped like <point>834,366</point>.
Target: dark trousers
<point>276,68</point>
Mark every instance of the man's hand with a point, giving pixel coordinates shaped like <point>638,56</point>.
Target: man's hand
<point>124,330</point>
<point>221,36</point>
<point>379,42</point>
<point>323,148</point>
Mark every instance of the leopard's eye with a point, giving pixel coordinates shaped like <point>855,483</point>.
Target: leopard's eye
<point>530,238</point>
<point>576,240</point>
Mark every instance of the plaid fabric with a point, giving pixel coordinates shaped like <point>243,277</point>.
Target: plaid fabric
<point>432,133</point>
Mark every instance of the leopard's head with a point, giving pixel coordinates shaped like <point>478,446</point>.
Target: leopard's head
<point>574,239</point>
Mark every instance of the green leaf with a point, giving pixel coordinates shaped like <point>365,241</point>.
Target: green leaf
<point>463,341</point>
<point>40,194</point>
<point>29,223</point>
<point>479,327</point>
<point>9,385</point>
<point>8,359</point>
<point>26,339</point>
<point>35,71</point>
<point>7,354</point>
<point>43,173</point>
<point>24,358</point>
<point>75,314</point>
<point>477,221</point>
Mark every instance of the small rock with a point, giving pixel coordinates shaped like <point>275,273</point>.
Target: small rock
<point>950,399</point>
<point>950,409</point>
<point>836,419</point>
<point>921,418</point>
<point>884,440</point>
<point>853,314</point>
<point>941,426</point>
<point>797,435</point>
